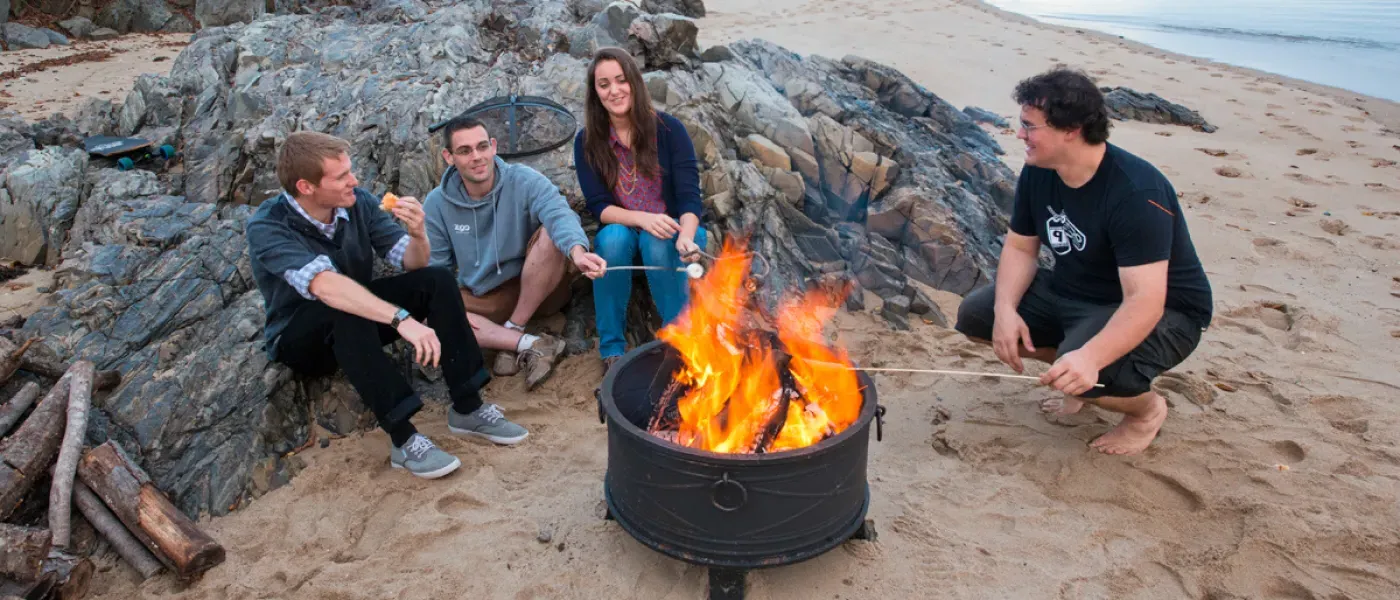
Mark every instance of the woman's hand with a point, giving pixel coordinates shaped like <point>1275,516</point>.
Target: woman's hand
<point>688,249</point>
<point>658,224</point>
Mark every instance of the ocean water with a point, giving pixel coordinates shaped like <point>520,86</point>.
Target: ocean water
<point>1349,44</point>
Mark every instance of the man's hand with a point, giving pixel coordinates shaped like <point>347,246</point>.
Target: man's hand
<point>658,224</point>
<point>409,211</point>
<point>1008,330</point>
<point>591,265</point>
<point>1074,373</point>
<point>688,249</point>
<point>426,347</point>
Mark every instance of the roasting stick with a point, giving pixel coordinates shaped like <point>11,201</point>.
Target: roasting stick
<point>694,270</point>
<point>934,371</point>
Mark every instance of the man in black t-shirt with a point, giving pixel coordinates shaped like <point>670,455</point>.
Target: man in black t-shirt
<point>1127,298</point>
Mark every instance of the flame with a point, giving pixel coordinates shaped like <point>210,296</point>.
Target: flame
<point>735,397</point>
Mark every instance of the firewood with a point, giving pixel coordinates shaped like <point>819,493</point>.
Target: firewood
<point>13,410</point>
<point>171,536</point>
<point>45,364</point>
<point>22,551</point>
<point>72,574</point>
<point>61,490</point>
<point>30,451</point>
<point>102,519</point>
<point>10,357</point>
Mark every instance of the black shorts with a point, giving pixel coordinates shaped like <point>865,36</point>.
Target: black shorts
<point>1067,324</point>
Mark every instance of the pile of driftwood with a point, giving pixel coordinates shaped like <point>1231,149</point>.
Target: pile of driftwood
<point>111,493</point>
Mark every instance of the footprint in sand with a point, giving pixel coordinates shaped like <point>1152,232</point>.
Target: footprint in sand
<point>1289,451</point>
<point>1228,171</point>
<point>1379,187</point>
<point>1353,144</point>
<point>1275,248</point>
<point>457,504</point>
<point>1343,413</point>
<point>1214,152</point>
<point>1306,151</point>
<point>381,520</point>
<point>1377,163</point>
<point>1306,179</point>
<point>1335,227</point>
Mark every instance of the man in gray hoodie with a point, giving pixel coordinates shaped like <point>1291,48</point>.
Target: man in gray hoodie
<point>506,231</point>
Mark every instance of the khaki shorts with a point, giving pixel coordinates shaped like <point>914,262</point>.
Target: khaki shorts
<point>497,305</point>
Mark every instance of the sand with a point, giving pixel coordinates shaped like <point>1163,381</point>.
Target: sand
<point>1276,475</point>
<point>64,88</point>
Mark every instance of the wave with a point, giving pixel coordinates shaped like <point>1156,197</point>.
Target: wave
<point>1230,32</point>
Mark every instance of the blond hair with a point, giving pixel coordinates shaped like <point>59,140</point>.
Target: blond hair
<point>303,155</point>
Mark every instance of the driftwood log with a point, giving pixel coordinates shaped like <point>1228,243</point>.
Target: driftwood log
<point>28,454</point>
<point>10,356</point>
<point>171,536</point>
<point>45,364</point>
<point>106,523</point>
<point>22,551</point>
<point>69,451</point>
<point>72,575</point>
<point>13,410</point>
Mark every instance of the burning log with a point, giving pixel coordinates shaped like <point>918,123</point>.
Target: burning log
<point>147,513</point>
<point>22,551</point>
<point>71,575</point>
<point>11,412</point>
<point>126,545</point>
<point>10,357</point>
<point>61,490</point>
<point>28,453</point>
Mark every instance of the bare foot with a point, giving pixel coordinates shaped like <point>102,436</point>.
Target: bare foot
<point>1134,434</point>
<point>1062,406</point>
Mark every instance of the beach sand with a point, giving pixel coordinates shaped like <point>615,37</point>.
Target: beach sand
<point>1276,475</point>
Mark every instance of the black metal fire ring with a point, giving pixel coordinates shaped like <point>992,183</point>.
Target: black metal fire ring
<point>846,533</point>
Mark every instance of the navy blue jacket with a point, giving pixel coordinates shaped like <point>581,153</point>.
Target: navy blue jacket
<point>680,172</point>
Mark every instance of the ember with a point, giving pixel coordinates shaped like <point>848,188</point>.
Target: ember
<point>750,383</point>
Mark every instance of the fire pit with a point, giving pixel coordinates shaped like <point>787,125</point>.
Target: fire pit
<point>772,474</point>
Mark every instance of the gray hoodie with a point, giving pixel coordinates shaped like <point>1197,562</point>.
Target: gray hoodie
<point>485,240</point>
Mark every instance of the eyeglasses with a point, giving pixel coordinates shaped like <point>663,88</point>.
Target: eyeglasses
<point>1029,128</point>
<point>467,151</point>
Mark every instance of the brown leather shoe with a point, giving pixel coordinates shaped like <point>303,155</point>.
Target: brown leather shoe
<point>538,360</point>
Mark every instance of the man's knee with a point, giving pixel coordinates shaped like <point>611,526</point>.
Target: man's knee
<point>543,246</point>
<point>977,313</point>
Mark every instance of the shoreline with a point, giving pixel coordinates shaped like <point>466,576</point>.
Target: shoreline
<point>1383,111</point>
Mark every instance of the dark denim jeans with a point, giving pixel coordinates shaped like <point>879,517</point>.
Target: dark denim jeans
<point>619,245</point>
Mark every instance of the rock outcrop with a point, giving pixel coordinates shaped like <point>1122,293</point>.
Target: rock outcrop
<point>832,169</point>
<point>1128,104</point>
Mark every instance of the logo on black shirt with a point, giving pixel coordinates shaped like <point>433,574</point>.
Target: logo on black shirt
<point>1062,233</point>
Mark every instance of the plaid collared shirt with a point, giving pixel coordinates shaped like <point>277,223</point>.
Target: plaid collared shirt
<point>300,279</point>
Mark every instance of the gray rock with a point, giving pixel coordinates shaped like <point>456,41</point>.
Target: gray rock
<point>55,38</point>
<point>920,304</point>
<point>104,33</point>
<point>689,8</point>
<point>1128,104</point>
<point>178,24</point>
<point>584,10</point>
<point>217,13</point>
<point>982,115</point>
<point>896,312</point>
<point>124,16</point>
<point>44,191</point>
<point>57,130</point>
<point>609,27</point>
<point>18,36</point>
<point>16,138</point>
<point>716,53</point>
<point>666,39</point>
<point>78,27</point>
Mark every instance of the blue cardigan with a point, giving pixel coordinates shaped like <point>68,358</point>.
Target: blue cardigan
<point>680,172</point>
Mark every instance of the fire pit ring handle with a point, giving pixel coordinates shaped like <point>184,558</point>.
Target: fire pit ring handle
<point>728,495</point>
<point>879,423</point>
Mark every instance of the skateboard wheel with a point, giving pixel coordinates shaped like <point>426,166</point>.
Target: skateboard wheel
<point>167,151</point>
<point>125,164</point>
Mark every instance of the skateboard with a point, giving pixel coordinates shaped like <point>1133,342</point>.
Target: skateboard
<point>127,150</point>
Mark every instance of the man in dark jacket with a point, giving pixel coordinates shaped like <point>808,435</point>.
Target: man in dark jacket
<point>312,251</point>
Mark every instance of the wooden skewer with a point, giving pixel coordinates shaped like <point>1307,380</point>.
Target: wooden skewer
<point>934,371</point>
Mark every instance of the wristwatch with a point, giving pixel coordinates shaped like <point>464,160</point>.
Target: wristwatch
<point>399,317</point>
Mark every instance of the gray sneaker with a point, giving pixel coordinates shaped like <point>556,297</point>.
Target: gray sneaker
<point>422,458</point>
<point>488,423</point>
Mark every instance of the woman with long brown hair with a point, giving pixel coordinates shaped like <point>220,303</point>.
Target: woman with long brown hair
<point>637,168</point>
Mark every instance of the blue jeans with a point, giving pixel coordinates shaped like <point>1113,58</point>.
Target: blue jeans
<point>618,244</point>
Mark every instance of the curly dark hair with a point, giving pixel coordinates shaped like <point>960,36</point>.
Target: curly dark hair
<point>1069,99</point>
